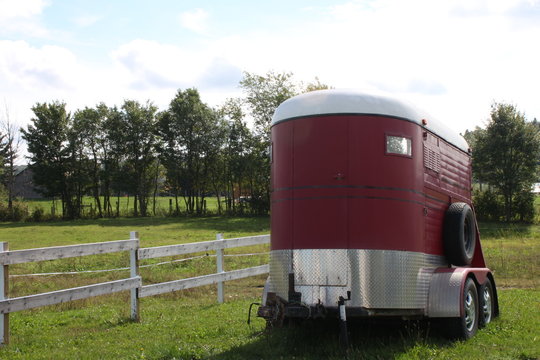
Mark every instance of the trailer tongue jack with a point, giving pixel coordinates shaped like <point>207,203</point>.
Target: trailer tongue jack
<point>343,333</point>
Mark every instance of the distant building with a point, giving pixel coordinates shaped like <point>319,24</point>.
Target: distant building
<point>23,185</point>
<point>536,189</point>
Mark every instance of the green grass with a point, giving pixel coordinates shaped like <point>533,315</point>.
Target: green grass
<point>513,253</point>
<point>153,231</point>
<point>191,325</point>
<point>162,205</point>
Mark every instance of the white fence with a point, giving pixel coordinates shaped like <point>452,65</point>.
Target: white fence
<point>133,283</point>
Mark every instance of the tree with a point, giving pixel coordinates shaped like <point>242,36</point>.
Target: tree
<point>88,127</point>
<point>136,131</point>
<point>263,95</point>
<point>10,153</point>
<point>316,85</point>
<point>50,154</point>
<point>113,154</point>
<point>192,136</point>
<point>78,179</point>
<point>472,136</point>
<point>236,154</point>
<point>506,156</point>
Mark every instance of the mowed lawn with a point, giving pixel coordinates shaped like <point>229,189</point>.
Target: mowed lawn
<point>191,325</point>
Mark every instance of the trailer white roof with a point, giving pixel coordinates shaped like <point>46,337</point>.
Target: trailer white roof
<point>356,102</point>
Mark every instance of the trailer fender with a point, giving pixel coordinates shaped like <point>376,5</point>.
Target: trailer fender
<point>446,286</point>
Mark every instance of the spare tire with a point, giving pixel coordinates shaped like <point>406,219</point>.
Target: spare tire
<point>459,234</point>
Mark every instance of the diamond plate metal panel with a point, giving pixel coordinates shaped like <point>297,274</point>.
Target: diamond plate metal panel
<point>329,295</point>
<point>385,279</point>
<point>323,268</point>
<point>377,279</point>
<point>280,267</point>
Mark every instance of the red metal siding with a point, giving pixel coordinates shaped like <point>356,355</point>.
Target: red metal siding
<point>447,179</point>
<point>455,173</point>
<point>436,205</point>
<point>319,180</point>
<point>385,203</point>
<point>334,186</point>
<point>281,183</point>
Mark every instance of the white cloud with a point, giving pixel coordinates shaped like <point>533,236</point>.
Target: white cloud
<point>37,74</point>
<point>152,64</point>
<point>149,64</point>
<point>86,20</point>
<point>22,17</point>
<point>17,9</point>
<point>31,74</point>
<point>49,67</point>
<point>452,64</point>
<point>195,20</point>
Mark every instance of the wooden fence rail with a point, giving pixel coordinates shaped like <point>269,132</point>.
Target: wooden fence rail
<point>170,286</point>
<point>56,297</point>
<point>134,283</point>
<point>62,252</point>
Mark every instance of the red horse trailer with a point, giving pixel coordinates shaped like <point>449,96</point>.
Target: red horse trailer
<point>372,215</point>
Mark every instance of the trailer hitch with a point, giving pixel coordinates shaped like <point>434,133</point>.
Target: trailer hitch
<point>273,311</point>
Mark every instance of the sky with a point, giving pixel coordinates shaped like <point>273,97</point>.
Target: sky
<point>452,58</point>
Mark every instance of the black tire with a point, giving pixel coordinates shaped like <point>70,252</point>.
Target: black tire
<point>486,302</point>
<point>466,326</point>
<point>459,234</point>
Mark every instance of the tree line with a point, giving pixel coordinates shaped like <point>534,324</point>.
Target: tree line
<point>189,151</point>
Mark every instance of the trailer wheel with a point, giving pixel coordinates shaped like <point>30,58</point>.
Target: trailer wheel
<point>466,325</point>
<point>459,234</point>
<point>486,301</point>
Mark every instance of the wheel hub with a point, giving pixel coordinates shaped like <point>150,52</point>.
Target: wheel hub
<point>486,309</point>
<point>470,311</point>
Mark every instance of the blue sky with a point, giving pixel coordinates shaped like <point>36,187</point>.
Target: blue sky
<point>452,58</point>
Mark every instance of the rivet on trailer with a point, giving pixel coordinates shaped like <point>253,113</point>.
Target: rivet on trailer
<point>372,216</point>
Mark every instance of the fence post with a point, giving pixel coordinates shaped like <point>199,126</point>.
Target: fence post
<point>134,271</point>
<point>219,257</point>
<point>4,290</point>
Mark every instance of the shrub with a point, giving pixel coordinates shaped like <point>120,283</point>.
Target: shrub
<point>38,214</point>
<point>524,206</point>
<point>20,211</point>
<point>488,205</point>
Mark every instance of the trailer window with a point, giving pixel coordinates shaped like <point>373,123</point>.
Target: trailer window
<point>398,145</point>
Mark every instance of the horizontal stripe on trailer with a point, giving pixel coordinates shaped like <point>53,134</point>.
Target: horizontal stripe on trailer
<point>370,187</point>
<point>356,197</point>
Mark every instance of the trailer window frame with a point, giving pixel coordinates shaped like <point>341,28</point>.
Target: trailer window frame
<point>409,146</point>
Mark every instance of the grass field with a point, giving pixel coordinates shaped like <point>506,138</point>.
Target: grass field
<point>164,205</point>
<point>190,325</point>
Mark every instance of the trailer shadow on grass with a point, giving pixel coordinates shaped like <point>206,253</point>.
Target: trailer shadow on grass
<point>380,339</point>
